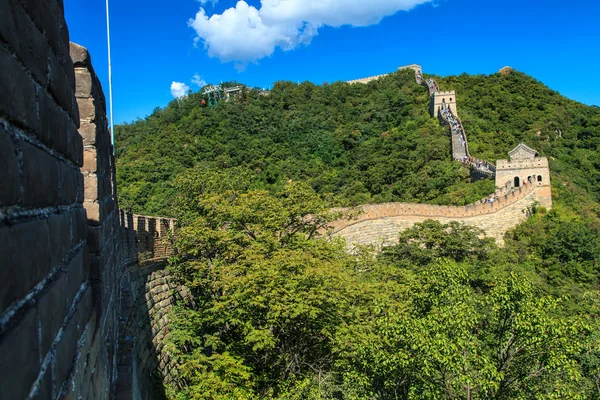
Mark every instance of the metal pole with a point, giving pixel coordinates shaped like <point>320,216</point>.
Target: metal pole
<point>110,93</point>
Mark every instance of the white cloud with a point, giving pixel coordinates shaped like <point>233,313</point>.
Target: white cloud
<point>198,81</point>
<point>246,34</point>
<point>179,89</point>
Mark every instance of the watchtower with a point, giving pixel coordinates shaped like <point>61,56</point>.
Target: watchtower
<point>523,168</point>
<point>444,100</point>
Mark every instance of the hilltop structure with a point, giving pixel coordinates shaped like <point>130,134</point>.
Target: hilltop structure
<point>525,168</point>
<point>415,67</point>
<point>85,296</point>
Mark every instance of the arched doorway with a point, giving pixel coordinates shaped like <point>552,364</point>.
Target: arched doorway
<point>517,181</point>
<point>539,178</point>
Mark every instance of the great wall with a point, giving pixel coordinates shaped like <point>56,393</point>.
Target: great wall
<point>85,296</point>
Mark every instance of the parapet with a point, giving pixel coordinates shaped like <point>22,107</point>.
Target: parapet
<point>415,67</point>
<point>446,93</point>
<point>537,162</point>
<point>430,211</point>
<point>367,80</point>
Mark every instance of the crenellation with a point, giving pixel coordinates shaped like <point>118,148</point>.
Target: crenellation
<point>90,300</point>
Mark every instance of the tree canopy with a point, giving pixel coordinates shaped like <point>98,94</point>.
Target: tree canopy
<point>281,313</point>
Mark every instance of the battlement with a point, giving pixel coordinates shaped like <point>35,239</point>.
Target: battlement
<point>541,162</point>
<point>367,80</point>
<point>74,295</point>
<point>379,224</point>
<point>432,211</point>
<point>151,233</point>
<point>415,67</point>
<point>446,99</point>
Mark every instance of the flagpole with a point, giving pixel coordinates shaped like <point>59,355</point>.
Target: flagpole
<point>110,93</point>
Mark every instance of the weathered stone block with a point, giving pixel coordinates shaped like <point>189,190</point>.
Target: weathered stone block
<point>20,358</point>
<point>90,160</point>
<point>83,83</point>
<point>68,183</point>
<point>88,133</point>
<point>54,123</point>
<point>87,109</point>
<point>60,87</point>
<point>24,38</point>
<point>76,275</point>
<point>9,184</point>
<point>18,99</point>
<point>91,187</point>
<point>66,348</point>
<point>80,55</point>
<point>59,232</point>
<point>53,308</point>
<point>22,265</point>
<point>93,212</point>
<point>41,169</point>
<point>46,19</point>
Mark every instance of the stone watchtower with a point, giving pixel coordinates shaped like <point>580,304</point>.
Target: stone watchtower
<point>523,168</point>
<point>444,100</point>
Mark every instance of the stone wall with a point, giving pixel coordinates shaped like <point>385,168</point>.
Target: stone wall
<point>66,251</point>
<point>152,294</point>
<point>440,98</point>
<point>46,302</point>
<point>79,317</point>
<point>152,235</point>
<point>380,224</point>
<point>534,171</point>
<point>367,80</point>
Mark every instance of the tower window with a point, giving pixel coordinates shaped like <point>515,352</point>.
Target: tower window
<point>539,178</point>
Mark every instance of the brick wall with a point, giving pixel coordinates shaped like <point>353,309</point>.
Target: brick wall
<point>46,298</point>
<point>64,245</point>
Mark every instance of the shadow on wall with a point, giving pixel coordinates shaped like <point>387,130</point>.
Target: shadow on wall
<point>149,297</point>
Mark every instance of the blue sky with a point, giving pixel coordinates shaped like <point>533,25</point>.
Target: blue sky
<point>557,42</point>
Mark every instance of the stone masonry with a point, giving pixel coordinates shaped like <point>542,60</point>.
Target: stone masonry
<point>46,302</point>
<point>379,225</point>
<point>85,297</point>
<point>66,251</point>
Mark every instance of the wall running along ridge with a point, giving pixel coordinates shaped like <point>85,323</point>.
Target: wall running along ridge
<point>379,225</point>
<point>85,297</point>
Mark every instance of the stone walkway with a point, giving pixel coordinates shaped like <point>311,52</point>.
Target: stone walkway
<point>460,149</point>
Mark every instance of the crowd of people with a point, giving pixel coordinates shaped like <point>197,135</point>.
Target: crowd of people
<point>433,86</point>
<point>455,125</point>
<point>481,165</point>
<point>457,129</point>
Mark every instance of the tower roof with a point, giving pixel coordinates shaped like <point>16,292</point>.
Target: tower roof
<point>522,152</point>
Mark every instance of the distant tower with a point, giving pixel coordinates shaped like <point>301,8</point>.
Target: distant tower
<point>525,167</point>
<point>444,100</point>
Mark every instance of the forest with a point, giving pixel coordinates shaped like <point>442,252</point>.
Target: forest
<point>279,313</point>
<point>358,144</point>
